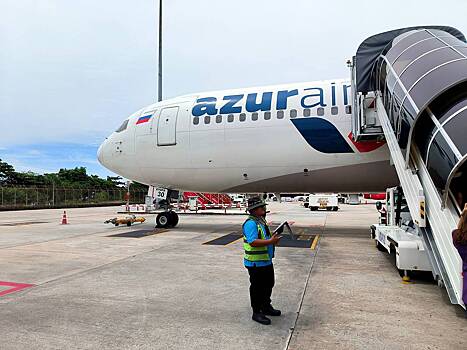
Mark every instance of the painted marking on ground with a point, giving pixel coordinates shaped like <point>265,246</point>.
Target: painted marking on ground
<point>139,233</point>
<point>241,236</point>
<point>287,241</point>
<point>13,287</point>
<point>226,239</point>
<point>315,242</point>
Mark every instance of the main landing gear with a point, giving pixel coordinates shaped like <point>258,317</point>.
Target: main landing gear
<point>167,219</point>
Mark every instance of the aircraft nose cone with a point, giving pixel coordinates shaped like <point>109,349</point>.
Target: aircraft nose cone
<point>100,154</point>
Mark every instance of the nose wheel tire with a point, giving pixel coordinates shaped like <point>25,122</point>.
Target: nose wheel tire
<point>163,220</point>
<point>167,219</point>
<point>173,218</point>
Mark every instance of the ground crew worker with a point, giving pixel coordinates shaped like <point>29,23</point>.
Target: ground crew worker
<point>259,245</point>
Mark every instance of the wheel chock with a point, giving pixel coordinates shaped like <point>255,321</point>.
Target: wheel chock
<point>406,279</point>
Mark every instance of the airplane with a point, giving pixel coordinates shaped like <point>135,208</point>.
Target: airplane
<point>281,138</point>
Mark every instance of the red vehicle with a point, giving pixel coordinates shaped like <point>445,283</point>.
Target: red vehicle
<point>376,196</point>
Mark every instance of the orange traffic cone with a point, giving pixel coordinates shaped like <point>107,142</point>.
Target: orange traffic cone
<point>64,218</point>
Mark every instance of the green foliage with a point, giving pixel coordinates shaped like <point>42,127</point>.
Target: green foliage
<point>102,196</point>
<point>65,178</point>
<point>7,173</point>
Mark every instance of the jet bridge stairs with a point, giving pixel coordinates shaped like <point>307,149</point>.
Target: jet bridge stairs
<point>409,88</point>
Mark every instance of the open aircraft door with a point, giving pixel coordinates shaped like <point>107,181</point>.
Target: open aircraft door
<point>167,127</point>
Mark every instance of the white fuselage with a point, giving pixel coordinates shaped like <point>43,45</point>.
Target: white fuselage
<point>283,138</point>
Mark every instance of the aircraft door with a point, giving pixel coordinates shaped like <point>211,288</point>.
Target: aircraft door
<point>167,127</point>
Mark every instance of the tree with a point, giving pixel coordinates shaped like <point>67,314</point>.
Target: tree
<point>77,175</point>
<point>7,173</point>
<point>28,179</point>
<point>65,178</point>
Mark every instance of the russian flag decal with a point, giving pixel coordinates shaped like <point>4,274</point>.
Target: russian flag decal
<point>143,119</point>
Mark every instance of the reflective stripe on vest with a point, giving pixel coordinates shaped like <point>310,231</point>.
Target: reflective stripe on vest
<point>255,253</point>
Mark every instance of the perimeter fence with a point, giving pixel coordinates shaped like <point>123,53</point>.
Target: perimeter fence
<point>49,197</point>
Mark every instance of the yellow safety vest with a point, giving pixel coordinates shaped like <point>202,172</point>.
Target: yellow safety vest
<point>254,254</point>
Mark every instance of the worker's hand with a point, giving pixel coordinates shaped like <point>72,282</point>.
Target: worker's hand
<point>275,238</point>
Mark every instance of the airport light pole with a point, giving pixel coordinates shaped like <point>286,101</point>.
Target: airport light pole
<point>127,195</point>
<point>159,75</point>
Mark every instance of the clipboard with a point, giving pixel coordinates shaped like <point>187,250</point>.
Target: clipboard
<point>285,225</point>
<point>279,229</point>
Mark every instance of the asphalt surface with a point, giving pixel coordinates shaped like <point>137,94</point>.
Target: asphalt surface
<point>79,286</point>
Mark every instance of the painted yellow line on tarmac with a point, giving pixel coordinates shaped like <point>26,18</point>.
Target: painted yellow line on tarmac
<point>315,242</point>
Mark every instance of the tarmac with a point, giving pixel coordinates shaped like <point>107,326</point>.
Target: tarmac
<point>79,286</point>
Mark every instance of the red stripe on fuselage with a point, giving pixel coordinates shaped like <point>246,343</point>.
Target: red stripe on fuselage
<point>366,146</point>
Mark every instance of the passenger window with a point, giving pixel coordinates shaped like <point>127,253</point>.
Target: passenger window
<point>306,112</point>
<point>218,118</point>
<point>320,111</point>
<point>334,110</point>
<point>123,126</point>
<point>196,120</point>
<point>348,109</point>
<point>280,114</point>
<point>254,116</point>
<point>242,117</point>
<point>267,115</point>
<point>207,119</point>
<point>293,113</point>
<point>230,118</point>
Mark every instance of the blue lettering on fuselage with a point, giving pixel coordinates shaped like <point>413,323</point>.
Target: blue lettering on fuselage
<point>282,97</point>
<point>253,106</point>
<point>230,106</point>
<point>310,97</point>
<point>317,98</point>
<point>205,105</point>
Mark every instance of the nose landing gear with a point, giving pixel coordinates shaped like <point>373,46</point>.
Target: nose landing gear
<point>167,219</point>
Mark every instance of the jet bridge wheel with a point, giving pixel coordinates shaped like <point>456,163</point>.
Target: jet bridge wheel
<point>394,259</point>
<point>380,246</point>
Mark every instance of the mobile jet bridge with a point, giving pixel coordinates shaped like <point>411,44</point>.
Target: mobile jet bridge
<point>409,87</point>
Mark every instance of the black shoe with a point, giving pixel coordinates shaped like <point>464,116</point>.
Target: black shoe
<point>270,311</point>
<point>260,318</point>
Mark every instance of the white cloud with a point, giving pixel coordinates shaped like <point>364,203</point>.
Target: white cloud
<point>34,152</point>
<point>44,158</point>
<point>76,78</point>
<point>23,166</point>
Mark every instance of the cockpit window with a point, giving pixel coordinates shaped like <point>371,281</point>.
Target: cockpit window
<point>123,126</point>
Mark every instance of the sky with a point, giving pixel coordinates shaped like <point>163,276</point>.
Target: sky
<point>72,71</point>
